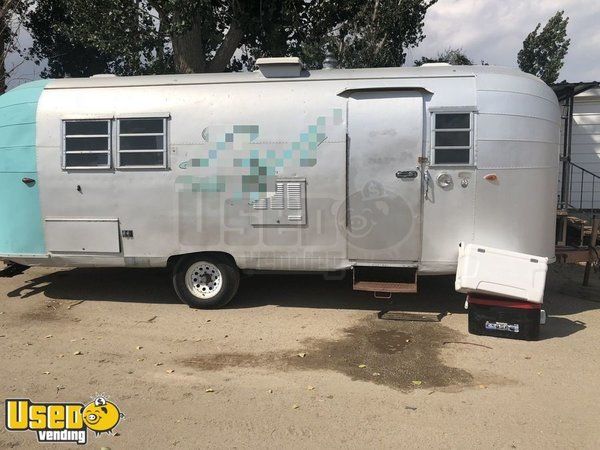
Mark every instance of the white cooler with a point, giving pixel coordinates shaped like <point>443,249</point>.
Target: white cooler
<point>493,271</point>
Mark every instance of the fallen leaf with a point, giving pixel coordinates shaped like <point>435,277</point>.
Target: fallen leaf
<point>301,355</point>
<point>209,390</point>
<point>417,382</point>
<point>362,366</point>
<point>77,352</point>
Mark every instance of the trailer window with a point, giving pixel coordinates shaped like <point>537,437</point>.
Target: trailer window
<point>86,144</point>
<point>142,143</point>
<point>452,138</point>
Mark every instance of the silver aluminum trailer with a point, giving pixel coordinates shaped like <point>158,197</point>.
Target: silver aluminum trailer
<point>381,170</point>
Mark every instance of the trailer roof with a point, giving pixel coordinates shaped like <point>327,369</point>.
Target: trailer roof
<point>107,81</point>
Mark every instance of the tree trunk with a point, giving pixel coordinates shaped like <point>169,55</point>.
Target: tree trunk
<point>4,42</point>
<point>188,49</point>
<point>225,52</point>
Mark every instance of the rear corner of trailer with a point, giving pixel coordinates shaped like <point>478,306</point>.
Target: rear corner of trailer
<point>21,230</point>
<point>517,162</point>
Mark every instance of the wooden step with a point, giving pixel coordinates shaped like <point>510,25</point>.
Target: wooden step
<point>382,286</point>
<point>389,280</point>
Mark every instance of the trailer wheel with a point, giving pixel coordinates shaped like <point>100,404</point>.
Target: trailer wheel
<point>204,281</point>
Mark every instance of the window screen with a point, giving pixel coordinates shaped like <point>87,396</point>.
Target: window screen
<point>142,143</point>
<point>452,137</point>
<point>86,144</point>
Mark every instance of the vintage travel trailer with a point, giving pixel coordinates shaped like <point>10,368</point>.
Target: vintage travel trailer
<point>384,171</point>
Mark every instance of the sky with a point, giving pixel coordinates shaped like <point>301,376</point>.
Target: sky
<point>494,30</point>
<point>489,30</point>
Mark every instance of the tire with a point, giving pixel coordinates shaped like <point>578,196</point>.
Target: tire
<point>205,281</point>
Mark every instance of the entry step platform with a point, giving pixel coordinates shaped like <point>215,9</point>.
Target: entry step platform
<point>385,280</point>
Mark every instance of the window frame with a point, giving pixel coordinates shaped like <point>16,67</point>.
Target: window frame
<point>471,130</point>
<point>108,136</point>
<point>164,151</point>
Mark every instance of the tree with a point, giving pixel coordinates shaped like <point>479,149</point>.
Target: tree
<point>361,33</point>
<point>9,11</point>
<point>80,37</point>
<point>49,22</point>
<point>544,51</point>
<point>454,56</point>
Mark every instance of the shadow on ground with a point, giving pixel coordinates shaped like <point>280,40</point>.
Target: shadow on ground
<point>564,293</point>
<point>298,290</point>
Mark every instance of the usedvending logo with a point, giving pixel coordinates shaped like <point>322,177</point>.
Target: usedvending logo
<point>62,422</point>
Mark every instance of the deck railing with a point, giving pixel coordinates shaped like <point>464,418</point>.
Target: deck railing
<point>583,195</point>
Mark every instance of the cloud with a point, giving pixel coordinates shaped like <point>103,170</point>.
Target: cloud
<point>494,30</point>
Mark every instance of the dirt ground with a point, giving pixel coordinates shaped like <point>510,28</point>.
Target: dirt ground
<point>299,361</point>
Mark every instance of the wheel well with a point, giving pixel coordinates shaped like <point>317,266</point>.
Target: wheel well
<point>173,259</point>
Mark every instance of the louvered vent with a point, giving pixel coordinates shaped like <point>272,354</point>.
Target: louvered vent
<point>261,203</point>
<point>287,206</point>
<point>294,196</point>
<point>277,200</point>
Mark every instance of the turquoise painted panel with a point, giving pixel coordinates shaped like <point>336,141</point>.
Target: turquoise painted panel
<point>18,114</point>
<point>21,229</point>
<point>12,160</point>
<point>18,135</point>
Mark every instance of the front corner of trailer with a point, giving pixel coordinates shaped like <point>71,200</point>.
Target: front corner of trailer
<point>21,230</point>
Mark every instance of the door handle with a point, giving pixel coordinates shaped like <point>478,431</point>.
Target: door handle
<point>27,180</point>
<point>404,174</point>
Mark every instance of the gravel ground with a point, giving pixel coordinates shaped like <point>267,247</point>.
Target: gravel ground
<point>299,361</point>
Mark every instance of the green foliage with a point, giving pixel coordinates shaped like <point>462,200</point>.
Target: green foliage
<point>127,37</point>
<point>454,56</point>
<point>361,33</point>
<point>544,51</point>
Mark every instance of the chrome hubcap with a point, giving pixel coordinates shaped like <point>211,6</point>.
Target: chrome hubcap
<point>204,280</point>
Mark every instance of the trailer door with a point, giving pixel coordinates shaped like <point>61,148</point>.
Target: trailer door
<point>385,140</point>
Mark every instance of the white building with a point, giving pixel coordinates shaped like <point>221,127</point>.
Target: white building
<point>584,145</point>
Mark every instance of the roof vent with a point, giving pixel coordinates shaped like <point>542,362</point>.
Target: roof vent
<point>279,67</point>
<point>436,64</point>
